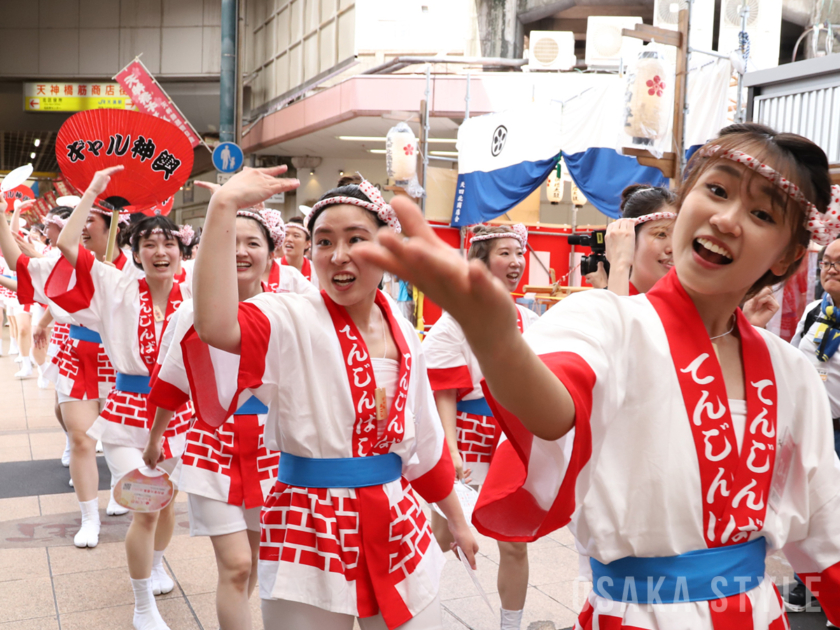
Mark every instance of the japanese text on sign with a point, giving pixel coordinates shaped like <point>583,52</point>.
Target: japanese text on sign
<point>48,96</point>
<point>149,98</point>
<point>142,149</point>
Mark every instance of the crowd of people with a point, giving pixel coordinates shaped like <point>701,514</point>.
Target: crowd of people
<point>266,373</point>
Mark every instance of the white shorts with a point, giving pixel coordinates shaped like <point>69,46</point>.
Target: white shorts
<point>209,517</point>
<point>279,614</point>
<point>122,460</point>
<point>64,398</point>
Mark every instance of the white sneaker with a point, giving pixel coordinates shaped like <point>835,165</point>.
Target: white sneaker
<point>114,508</point>
<point>161,582</point>
<point>99,448</point>
<point>65,456</point>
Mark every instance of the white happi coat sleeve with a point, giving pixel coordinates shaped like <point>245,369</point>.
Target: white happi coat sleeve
<point>170,385</point>
<point>294,281</point>
<point>91,292</point>
<point>530,489</point>
<point>32,274</point>
<point>446,354</point>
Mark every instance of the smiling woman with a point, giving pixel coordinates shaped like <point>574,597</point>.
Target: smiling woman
<point>130,315</point>
<point>607,403</point>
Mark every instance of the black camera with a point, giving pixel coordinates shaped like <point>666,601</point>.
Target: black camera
<point>594,241</point>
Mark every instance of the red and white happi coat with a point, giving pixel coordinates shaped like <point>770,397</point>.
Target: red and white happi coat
<point>284,278</point>
<point>228,463</point>
<point>652,467</point>
<point>354,551</point>
<point>119,308</point>
<point>452,365</point>
<point>79,369</point>
<point>307,270</point>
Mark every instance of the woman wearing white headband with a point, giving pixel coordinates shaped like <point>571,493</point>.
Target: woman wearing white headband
<point>701,444</point>
<point>471,432</point>
<point>226,470</point>
<point>639,244</point>
<point>130,314</point>
<point>344,378</point>
<point>79,367</point>
<point>298,241</point>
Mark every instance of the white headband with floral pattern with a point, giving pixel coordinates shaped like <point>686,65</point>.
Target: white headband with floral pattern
<point>124,219</point>
<point>656,216</point>
<point>520,233</point>
<point>376,204</point>
<point>185,234</point>
<point>271,220</point>
<point>55,220</point>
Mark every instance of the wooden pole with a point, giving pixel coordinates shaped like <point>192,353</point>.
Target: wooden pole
<point>680,95</point>
<point>112,235</point>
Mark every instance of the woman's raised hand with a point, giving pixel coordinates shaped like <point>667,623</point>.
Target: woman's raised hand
<point>620,242</point>
<point>102,178</point>
<point>468,291</point>
<point>251,186</point>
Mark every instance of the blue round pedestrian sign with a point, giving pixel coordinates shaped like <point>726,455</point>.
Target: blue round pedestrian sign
<point>228,157</point>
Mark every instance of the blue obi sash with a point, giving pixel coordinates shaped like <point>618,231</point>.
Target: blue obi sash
<point>477,407</point>
<point>132,383</point>
<point>700,575</point>
<point>345,472</point>
<point>84,334</point>
<point>251,407</point>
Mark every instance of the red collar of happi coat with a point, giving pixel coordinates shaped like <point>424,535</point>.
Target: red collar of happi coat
<point>368,439</point>
<point>273,277</point>
<point>735,487</point>
<point>146,327</point>
<point>305,268</point>
<point>120,260</point>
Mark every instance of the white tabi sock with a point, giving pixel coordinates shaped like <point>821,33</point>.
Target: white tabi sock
<point>511,619</point>
<point>114,508</point>
<point>25,368</point>
<point>146,615</point>
<point>65,456</point>
<point>88,534</point>
<point>13,347</point>
<point>161,582</point>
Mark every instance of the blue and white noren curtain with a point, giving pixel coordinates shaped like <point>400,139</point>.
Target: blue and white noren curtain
<point>587,127</point>
<point>503,158</point>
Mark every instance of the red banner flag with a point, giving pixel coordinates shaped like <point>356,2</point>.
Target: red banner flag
<point>150,98</point>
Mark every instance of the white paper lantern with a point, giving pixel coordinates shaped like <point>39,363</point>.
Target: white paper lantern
<point>578,197</point>
<point>649,99</point>
<point>401,153</point>
<point>555,187</point>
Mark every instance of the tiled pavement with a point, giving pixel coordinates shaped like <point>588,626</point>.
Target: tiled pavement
<point>48,584</point>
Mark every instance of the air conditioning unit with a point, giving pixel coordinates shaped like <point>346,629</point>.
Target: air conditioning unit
<point>605,47</point>
<point>666,14</point>
<point>764,26</point>
<point>551,50</point>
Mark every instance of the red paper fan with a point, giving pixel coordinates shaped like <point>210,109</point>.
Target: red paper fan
<point>157,156</point>
<point>21,193</point>
<point>155,210</point>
